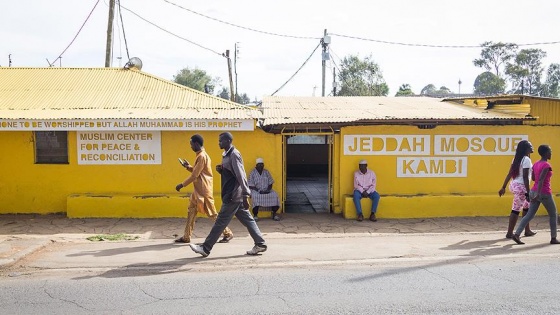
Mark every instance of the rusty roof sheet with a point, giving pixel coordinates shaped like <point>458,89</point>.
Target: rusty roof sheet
<point>280,110</point>
<point>106,93</point>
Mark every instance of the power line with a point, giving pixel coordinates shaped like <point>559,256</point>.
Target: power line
<point>73,39</point>
<point>298,69</point>
<point>124,34</point>
<point>161,28</point>
<point>429,45</point>
<point>238,26</point>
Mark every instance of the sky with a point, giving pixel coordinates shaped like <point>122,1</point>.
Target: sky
<point>275,38</point>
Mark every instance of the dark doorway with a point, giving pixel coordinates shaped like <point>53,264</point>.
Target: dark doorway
<point>307,169</point>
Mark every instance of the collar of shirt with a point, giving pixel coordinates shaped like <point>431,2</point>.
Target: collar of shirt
<point>228,151</point>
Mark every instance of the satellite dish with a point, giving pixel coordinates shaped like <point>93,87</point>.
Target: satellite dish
<point>134,63</point>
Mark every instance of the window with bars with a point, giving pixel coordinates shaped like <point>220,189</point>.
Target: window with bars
<point>51,147</point>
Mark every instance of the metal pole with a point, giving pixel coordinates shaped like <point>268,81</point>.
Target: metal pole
<point>323,63</point>
<point>109,33</point>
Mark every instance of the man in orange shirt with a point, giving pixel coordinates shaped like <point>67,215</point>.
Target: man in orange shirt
<point>202,198</point>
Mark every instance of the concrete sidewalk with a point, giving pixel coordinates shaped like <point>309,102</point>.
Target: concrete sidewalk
<point>296,239</point>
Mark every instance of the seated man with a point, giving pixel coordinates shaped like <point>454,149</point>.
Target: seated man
<point>364,187</point>
<point>262,195</point>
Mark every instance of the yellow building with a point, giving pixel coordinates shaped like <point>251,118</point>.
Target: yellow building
<point>433,158</point>
<point>104,142</point>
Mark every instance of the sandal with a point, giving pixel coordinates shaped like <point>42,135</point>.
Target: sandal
<point>182,240</point>
<point>226,239</point>
<point>530,233</point>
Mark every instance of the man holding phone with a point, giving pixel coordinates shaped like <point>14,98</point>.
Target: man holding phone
<point>202,198</point>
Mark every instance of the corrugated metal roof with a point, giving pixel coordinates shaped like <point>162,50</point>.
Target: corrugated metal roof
<point>279,110</point>
<point>106,93</point>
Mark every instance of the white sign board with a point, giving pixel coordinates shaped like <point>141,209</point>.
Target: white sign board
<point>126,147</point>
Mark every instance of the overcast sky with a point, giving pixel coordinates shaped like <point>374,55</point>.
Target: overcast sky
<point>33,31</point>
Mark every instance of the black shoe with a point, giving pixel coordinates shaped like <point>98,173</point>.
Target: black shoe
<point>226,239</point>
<point>372,217</point>
<point>182,240</point>
<point>517,239</point>
<point>360,217</point>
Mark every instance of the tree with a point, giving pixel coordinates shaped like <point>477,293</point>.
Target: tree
<point>196,79</point>
<point>494,55</point>
<point>443,90</point>
<point>404,90</point>
<point>224,93</point>
<point>488,83</point>
<point>428,89</point>
<point>551,86</point>
<point>243,99</point>
<point>361,77</point>
<point>525,74</point>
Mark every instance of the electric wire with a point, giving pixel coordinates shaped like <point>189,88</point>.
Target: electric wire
<point>171,33</point>
<point>73,39</point>
<point>429,45</point>
<point>305,62</point>
<point>124,34</point>
<point>238,26</point>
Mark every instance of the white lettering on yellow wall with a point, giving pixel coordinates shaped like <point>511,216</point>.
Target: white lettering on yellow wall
<point>387,145</point>
<point>431,167</point>
<point>143,147</point>
<point>476,144</point>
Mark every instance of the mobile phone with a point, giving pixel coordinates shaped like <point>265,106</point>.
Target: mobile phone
<point>183,163</point>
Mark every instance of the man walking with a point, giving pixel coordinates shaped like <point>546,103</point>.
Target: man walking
<point>235,200</point>
<point>202,198</point>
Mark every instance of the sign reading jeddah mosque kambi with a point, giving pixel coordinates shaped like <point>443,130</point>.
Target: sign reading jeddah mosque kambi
<point>432,156</point>
<point>123,147</point>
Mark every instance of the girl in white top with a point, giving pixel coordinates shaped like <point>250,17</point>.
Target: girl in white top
<point>519,185</point>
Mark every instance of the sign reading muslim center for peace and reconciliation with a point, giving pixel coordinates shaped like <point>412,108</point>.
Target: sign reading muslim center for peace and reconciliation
<point>432,156</point>
<point>122,141</point>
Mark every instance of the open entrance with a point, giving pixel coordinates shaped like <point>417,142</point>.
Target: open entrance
<point>307,165</point>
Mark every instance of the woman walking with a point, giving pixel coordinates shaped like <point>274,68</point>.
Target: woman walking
<point>519,186</point>
<point>541,193</point>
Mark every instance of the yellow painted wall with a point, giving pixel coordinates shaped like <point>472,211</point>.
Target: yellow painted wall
<point>27,187</point>
<point>485,173</point>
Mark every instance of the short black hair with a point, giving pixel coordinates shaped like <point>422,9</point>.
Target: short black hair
<point>544,149</point>
<point>198,139</point>
<point>227,135</point>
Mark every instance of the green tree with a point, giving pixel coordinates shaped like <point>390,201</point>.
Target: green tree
<point>361,77</point>
<point>551,87</point>
<point>525,74</point>
<point>404,90</point>
<point>443,90</point>
<point>196,79</point>
<point>224,93</point>
<point>487,83</point>
<point>243,99</point>
<point>429,89</point>
<point>495,55</point>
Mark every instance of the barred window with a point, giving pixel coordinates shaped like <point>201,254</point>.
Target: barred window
<point>51,147</point>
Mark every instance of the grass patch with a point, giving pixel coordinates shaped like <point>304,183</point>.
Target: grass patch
<point>112,237</point>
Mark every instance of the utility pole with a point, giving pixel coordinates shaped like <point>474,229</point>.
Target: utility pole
<point>235,56</point>
<point>231,96</point>
<point>325,56</point>
<point>333,82</point>
<point>109,33</point>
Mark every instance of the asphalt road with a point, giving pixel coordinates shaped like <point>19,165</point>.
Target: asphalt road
<point>495,285</point>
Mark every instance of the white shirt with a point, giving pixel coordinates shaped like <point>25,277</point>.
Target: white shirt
<point>525,163</point>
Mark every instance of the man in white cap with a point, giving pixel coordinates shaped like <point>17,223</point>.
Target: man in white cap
<point>262,195</point>
<point>364,187</point>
